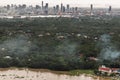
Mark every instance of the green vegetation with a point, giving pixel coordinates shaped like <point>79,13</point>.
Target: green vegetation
<point>78,72</point>
<point>57,43</point>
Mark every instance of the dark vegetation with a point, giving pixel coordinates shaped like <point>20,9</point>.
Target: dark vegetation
<point>56,43</point>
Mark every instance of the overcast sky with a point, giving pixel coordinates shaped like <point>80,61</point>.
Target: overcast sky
<point>79,3</point>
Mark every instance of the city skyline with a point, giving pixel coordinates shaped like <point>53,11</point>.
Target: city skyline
<point>74,3</point>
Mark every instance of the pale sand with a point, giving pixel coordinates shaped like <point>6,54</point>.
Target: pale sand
<point>25,74</point>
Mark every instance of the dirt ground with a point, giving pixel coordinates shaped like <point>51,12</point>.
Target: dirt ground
<point>30,74</point>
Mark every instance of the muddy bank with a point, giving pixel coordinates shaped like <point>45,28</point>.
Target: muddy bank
<point>31,74</point>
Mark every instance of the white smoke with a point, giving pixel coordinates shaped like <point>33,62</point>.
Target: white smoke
<point>66,47</point>
<point>108,52</point>
<point>19,44</point>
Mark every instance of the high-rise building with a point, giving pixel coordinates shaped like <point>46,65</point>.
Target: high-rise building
<point>37,7</point>
<point>57,8</point>
<point>8,7</point>
<point>46,5</point>
<point>46,9</point>
<point>91,7</point>
<point>54,9</point>
<point>73,9</point>
<point>110,8</point>
<point>24,6</point>
<point>42,7</point>
<point>68,8</point>
<point>76,9</point>
<point>42,4</point>
<point>61,7</point>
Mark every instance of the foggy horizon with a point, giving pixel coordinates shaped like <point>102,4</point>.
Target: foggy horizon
<point>73,3</point>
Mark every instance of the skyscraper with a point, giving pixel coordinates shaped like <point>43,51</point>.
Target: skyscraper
<point>76,9</point>
<point>46,8</point>
<point>73,9</point>
<point>42,4</point>
<point>57,8</point>
<point>61,7</point>
<point>91,7</point>
<point>54,9</point>
<point>68,8</point>
<point>42,7</point>
<point>110,8</point>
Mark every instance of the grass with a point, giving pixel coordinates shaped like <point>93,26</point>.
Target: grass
<point>78,72</point>
<point>72,72</point>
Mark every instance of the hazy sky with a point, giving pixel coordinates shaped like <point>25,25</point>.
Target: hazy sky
<point>81,3</point>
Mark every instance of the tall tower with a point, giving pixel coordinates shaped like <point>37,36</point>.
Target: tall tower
<point>54,10</point>
<point>57,8</point>
<point>42,4</point>
<point>76,9</point>
<point>91,9</point>
<point>110,9</point>
<point>61,7</point>
<point>46,8</point>
<point>68,8</point>
<point>42,7</point>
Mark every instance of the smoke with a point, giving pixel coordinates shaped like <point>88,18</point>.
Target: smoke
<point>66,47</point>
<point>17,45</point>
<point>109,51</point>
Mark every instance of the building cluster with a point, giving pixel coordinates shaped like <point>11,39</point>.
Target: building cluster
<point>44,9</point>
<point>103,69</point>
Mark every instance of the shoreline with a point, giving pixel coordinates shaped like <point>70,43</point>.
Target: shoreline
<point>48,74</point>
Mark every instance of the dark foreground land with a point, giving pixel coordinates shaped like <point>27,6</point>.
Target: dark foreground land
<point>60,43</point>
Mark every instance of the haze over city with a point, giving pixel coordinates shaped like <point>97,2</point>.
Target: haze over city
<point>78,3</point>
